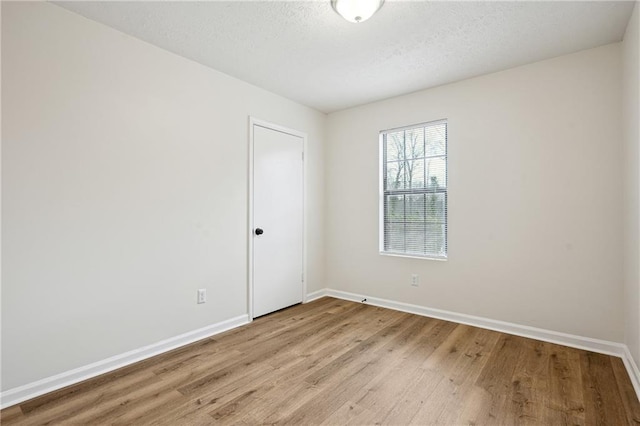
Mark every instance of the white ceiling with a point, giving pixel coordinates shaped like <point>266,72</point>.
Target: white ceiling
<point>306,52</point>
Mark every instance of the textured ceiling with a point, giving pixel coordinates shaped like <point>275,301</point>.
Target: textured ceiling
<point>306,52</point>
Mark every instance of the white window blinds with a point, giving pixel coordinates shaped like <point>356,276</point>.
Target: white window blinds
<point>414,190</point>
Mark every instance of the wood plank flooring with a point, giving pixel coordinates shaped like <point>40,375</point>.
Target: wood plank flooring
<point>334,362</point>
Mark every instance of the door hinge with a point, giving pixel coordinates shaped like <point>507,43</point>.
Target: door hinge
<point>303,277</point>
<point>302,155</point>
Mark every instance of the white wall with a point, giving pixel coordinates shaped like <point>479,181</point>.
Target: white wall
<point>124,184</point>
<point>631,99</point>
<point>535,198</point>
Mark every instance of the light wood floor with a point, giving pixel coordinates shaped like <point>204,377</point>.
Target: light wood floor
<point>337,362</point>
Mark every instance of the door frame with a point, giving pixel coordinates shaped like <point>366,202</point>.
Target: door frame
<point>262,123</point>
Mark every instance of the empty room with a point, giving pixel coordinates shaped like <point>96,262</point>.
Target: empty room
<point>320,212</point>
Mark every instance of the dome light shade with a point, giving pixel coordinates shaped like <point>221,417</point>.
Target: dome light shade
<point>356,10</point>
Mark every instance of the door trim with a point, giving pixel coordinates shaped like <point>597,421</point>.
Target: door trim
<point>267,125</point>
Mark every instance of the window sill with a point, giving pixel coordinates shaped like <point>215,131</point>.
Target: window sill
<point>413,256</point>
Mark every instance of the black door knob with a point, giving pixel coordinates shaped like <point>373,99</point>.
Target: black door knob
<point>259,231</point>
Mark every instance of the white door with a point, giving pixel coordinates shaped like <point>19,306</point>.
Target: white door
<point>277,219</point>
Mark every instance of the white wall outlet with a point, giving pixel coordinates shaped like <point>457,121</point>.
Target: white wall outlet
<point>415,280</point>
<point>202,295</point>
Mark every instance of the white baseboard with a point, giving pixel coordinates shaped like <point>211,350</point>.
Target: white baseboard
<point>587,343</point>
<point>316,295</point>
<point>49,384</point>
<point>632,369</point>
<point>31,390</point>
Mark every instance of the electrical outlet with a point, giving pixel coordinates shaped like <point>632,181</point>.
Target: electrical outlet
<point>202,295</point>
<point>415,280</point>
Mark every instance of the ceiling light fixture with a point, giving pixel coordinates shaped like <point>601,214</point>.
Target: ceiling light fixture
<point>356,10</point>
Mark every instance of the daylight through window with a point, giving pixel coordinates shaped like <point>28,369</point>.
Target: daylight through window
<point>414,190</point>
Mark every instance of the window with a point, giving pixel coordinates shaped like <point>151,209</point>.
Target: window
<point>413,199</point>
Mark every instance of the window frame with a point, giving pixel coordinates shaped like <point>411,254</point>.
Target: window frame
<point>382,173</point>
